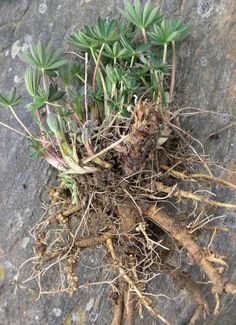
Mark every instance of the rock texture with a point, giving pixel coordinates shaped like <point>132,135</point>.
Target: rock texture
<point>207,79</point>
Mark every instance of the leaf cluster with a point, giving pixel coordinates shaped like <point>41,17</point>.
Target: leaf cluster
<point>127,57</point>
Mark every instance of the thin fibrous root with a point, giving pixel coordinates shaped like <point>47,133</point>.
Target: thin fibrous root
<point>174,191</point>
<point>146,302</point>
<point>118,310</point>
<point>182,175</point>
<point>182,236</point>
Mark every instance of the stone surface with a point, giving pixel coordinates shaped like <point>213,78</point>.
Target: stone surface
<point>206,79</point>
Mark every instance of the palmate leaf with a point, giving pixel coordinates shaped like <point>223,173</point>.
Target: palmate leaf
<point>92,37</point>
<point>42,97</point>
<point>65,72</point>
<point>115,73</point>
<point>84,40</point>
<point>142,17</point>
<point>153,63</point>
<point>44,57</point>
<point>32,81</point>
<point>132,50</point>
<point>106,31</point>
<point>169,31</point>
<point>39,100</point>
<point>130,82</point>
<point>90,32</point>
<point>182,28</point>
<point>77,100</point>
<point>37,104</point>
<point>10,100</point>
<point>140,70</point>
<point>115,51</point>
<point>77,70</point>
<point>126,29</point>
<point>37,149</point>
<point>54,94</point>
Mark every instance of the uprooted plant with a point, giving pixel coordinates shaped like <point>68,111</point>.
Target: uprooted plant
<point>105,122</point>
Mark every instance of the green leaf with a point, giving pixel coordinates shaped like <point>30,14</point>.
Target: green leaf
<point>142,17</point>
<point>106,31</point>
<point>28,58</point>
<point>43,57</point>
<point>83,41</point>
<point>37,104</point>
<point>54,125</point>
<point>153,63</point>
<point>169,31</point>
<point>132,50</point>
<point>65,72</point>
<point>143,48</point>
<point>10,99</point>
<point>40,52</point>
<point>138,10</point>
<point>32,81</point>
<point>56,65</point>
<point>37,149</point>
<point>115,51</point>
<point>78,106</point>
<point>152,16</point>
<point>54,94</point>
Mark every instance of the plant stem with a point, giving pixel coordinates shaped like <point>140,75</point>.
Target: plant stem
<point>93,55</point>
<point>160,83</point>
<point>97,66</point>
<point>85,86</point>
<point>45,89</point>
<point>106,106</point>
<point>51,157</point>
<point>97,160</point>
<point>132,61</point>
<point>79,56</point>
<point>53,104</point>
<point>144,35</point>
<point>106,149</point>
<point>173,73</point>
<point>164,53</point>
<point>40,121</point>
<point>144,82</point>
<point>19,121</point>
<point>80,78</point>
<point>15,130</point>
<point>162,75</point>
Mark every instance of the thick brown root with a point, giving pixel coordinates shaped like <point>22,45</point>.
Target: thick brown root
<point>129,308</point>
<point>118,310</point>
<point>62,217</point>
<point>129,216</point>
<point>91,242</point>
<point>182,236</point>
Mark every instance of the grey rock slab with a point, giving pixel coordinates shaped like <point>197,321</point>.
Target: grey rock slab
<point>206,79</point>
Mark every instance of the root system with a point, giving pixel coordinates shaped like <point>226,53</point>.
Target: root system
<point>129,207</point>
